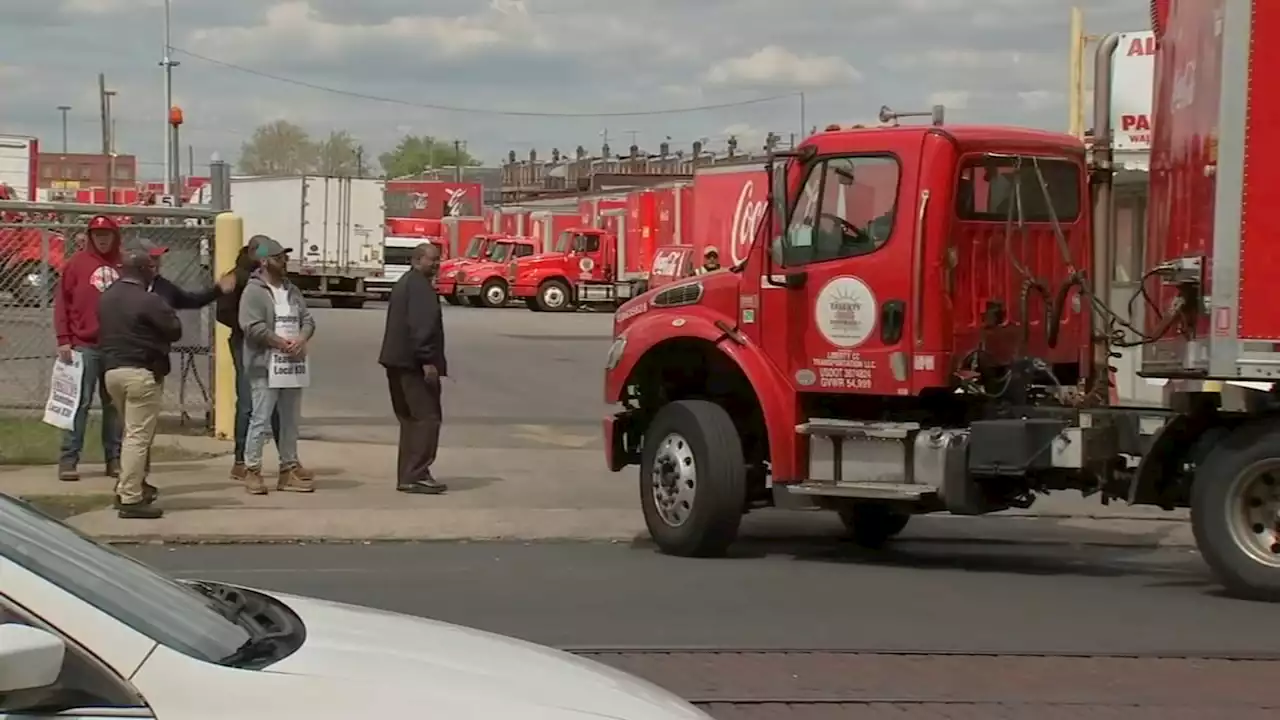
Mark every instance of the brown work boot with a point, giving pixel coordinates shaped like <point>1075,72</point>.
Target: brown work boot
<point>67,472</point>
<point>113,469</point>
<point>237,472</point>
<point>291,480</point>
<point>300,471</point>
<point>253,482</point>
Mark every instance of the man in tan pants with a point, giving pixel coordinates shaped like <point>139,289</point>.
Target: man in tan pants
<point>137,328</point>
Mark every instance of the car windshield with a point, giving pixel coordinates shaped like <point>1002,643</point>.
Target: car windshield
<point>562,242</point>
<point>475,247</point>
<point>165,610</point>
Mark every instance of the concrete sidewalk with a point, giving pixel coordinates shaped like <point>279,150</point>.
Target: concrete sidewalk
<point>529,494</point>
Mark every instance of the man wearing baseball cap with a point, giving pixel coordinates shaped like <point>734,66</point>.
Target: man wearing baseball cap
<point>177,297</point>
<point>710,260</point>
<point>277,327</point>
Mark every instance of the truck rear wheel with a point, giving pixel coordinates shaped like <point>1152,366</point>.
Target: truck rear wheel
<point>494,294</point>
<point>1235,511</point>
<point>553,296</point>
<point>872,524</point>
<point>693,479</point>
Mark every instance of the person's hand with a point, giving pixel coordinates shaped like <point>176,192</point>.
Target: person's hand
<point>287,345</point>
<point>299,349</point>
<point>430,372</point>
<point>227,283</point>
<point>64,354</point>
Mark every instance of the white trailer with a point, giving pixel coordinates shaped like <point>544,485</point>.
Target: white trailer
<point>18,156</point>
<point>333,228</point>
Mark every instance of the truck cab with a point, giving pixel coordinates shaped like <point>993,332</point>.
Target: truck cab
<point>906,287</point>
<point>483,283</point>
<point>397,252</point>
<point>452,271</point>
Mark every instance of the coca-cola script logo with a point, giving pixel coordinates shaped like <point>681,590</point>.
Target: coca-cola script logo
<point>667,263</point>
<point>419,200</point>
<point>456,201</point>
<point>746,219</point>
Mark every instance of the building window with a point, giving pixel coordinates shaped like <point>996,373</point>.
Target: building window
<point>86,172</point>
<point>65,172</point>
<point>123,172</point>
<point>47,172</point>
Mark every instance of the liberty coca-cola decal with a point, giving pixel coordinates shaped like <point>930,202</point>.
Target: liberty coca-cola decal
<point>845,311</point>
<point>746,220</point>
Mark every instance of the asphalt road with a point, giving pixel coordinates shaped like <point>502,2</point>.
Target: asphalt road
<point>508,369</point>
<point>926,596</point>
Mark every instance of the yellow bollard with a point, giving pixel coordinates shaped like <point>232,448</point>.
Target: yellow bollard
<point>228,238</point>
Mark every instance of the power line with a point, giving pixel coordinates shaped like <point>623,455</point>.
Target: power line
<point>482,111</point>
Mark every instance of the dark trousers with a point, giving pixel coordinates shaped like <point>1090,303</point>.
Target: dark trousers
<point>416,401</point>
<point>244,401</point>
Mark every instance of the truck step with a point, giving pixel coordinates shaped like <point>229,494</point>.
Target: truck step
<point>831,427</point>
<point>865,491</point>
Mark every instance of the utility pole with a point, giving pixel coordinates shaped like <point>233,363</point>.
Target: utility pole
<point>359,161</point>
<point>170,130</point>
<point>64,109</point>
<point>802,108</point>
<point>191,161</point>
<point>1075,75</point>
<point>109,148</point>
<point>105,111</point>
<point>457,161</point>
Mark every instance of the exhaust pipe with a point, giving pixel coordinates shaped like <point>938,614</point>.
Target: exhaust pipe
<point>1103,166</point>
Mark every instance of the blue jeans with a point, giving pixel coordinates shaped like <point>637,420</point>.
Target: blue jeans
<point>93,381</point>
<point>283,405</point>
<point>244,402</point>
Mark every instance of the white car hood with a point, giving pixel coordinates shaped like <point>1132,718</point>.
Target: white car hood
<point>365,646</point>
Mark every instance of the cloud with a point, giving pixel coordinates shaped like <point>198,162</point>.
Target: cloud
<point>985,60</point>
<point>774,66</point>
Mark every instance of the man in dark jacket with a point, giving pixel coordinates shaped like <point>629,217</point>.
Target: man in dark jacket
<point>413,355</point>
<point>228,314</point>
<point>137,329</point>
<point>178,298</point>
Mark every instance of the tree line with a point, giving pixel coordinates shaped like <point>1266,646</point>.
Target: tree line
<point>283,148</point>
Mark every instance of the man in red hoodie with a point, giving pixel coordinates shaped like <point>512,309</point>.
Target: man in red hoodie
<point>75,319</point>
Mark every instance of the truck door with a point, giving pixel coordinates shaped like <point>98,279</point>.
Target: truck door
<point>590,254</point>
<point>845,256</point>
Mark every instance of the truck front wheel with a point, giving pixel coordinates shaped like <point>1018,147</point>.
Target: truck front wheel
<point>1235,512</point>
<point>553,296</point>
<point>872,524</point>
<point>453,299</point>
<point>494,294</point>
<point>693,479</point>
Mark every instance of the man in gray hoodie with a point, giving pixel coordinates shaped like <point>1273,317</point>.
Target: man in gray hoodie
<point>277,327</point>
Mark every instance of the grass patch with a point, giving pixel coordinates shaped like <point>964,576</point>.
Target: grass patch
<point>65,506</point>
<point>28,441</point>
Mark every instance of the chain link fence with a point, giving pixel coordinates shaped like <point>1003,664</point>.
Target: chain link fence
<point>36,239</point>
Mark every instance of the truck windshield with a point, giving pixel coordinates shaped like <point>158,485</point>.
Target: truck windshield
<point>475,247</point>
<point>499,252</point>
<point>397,256</point>
<point>586,243</point>
<point>846,208</point>
<point>562,242</point>
<point>992,188</point>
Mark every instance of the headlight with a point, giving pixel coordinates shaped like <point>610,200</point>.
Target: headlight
<point>615,352</point>
<point>34,279</point>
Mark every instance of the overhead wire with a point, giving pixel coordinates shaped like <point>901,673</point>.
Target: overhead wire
<point>481,111</point>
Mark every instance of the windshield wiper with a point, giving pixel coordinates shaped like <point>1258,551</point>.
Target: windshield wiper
<point>260,647</point>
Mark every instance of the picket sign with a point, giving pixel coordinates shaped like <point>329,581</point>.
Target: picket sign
<point>283,370</point>
<point>64,392</point>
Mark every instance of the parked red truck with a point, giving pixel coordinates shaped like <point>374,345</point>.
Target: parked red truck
<point>451,271</point>
<point>893,348</point>
<point>484,283</point>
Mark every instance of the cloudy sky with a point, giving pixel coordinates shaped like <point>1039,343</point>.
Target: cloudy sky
<point>986,60</point>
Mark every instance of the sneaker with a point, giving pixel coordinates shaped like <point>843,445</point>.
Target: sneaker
<point>253,483</point>
<point>113,469</point>
<point>290,480</point>
<point>237,472</point>
<point>139,511</point>
<point>67,472</point>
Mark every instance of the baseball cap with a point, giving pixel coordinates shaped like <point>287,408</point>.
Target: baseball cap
<point>267,246</point>
<point>145,245</point>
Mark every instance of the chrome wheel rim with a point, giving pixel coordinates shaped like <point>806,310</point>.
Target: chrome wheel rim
<point>553,297</point>
<point>674,480</point>
<point>496,295</point>
<point>1253,512</point>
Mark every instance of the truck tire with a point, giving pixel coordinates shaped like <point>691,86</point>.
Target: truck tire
<point>1234,499</point>
<point>532,304</point>
<point>693,479</point>
<point>494,294</point>
<point>871,525</point>
<point>554,296</point>
<point>473,301</point>
<point>346,303</point>
<point>453,300</point>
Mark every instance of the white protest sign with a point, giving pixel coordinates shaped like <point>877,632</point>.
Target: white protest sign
<point>284,370</point>
<point>64,392</point>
